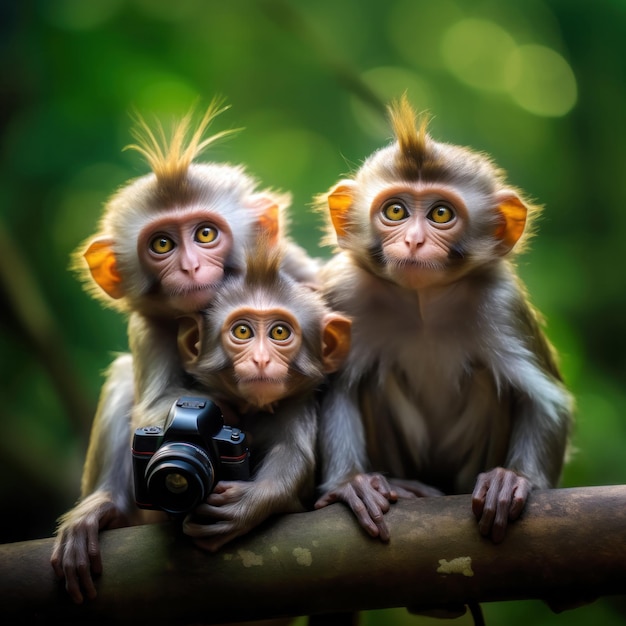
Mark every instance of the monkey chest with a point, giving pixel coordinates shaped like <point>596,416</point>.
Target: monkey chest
<point>439,413</point>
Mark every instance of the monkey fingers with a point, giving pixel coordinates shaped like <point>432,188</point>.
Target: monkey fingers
<point>499,497</point>
<point>226,492</point>
<point>413,488</point>
<point>76,555</point>
<point>206,515</point>
<point>213,534</point>
<point>368,496</point>
<point>380,484</point>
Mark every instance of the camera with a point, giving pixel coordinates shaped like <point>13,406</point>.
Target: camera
<point>175,468</point>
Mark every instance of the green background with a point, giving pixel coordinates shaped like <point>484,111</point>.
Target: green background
<point>537,84</point>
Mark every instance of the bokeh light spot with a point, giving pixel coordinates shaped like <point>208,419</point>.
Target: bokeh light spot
<point>415,29</point>
<point>476,52</point>
<point>541,81</point>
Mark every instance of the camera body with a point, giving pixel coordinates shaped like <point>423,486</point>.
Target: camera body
<point>175,468</point>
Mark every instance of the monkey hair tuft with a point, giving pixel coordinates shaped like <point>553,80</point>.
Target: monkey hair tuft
<point>263,263</point>
<point>413,139</point>
<point>170,159</point>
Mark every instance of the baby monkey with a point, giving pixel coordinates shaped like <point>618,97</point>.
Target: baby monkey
<point>450,380</point>
<point>262,351</point>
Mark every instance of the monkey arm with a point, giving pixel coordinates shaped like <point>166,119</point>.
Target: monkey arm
<point>541,407</point>
<point>157,371</point>
<point>106,493</point>
<point>343,453</point>
<point>343,463</point>
<point>282,483</point>
<point>541,417</point>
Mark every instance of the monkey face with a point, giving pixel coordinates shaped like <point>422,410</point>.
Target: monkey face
<point>419,227</point>
<point>186,253</point>
<point>262,346</point>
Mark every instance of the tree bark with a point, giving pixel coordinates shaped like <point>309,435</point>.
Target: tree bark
<point>568,548</point>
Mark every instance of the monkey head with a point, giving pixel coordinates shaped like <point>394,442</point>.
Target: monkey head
<point>265,337</point>
<point>167,240</point>
<point>424,213</point>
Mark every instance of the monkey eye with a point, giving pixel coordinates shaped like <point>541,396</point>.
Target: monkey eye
<point>242,331</point>
<point>395,211</point>
<point>206,233</point>
<point>280,332</point>
<point>162,244</point>
<point>441,214</point>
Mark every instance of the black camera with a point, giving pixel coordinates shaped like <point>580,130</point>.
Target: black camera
<point>175,468</point>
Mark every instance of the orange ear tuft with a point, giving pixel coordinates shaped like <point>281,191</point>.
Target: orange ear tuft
<point>269,225</point>
<point>511,228</point>
<point>103,267</point>
<point>339,204</point>
<point>267,210</point>
<point>335,341</point>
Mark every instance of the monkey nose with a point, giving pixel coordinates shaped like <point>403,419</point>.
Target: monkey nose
<point>190,265</point>
<point>261,359</point>
<point>413,243</point>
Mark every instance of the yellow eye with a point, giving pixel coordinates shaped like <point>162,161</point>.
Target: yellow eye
<point>162,244</point>
<point>242,331</point>
<point>441,214</point>
<point>206,234</point>
<point>280,332</point>
<point>395,211</point>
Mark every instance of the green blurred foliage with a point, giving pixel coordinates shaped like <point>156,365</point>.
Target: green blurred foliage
<point>539,84</point>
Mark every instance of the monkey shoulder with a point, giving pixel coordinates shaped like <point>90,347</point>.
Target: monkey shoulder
<point>298,264</point>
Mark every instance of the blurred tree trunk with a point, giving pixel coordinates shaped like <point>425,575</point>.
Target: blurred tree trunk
<point>568,548</point>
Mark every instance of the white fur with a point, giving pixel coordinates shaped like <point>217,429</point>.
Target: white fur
<point>453,376</point>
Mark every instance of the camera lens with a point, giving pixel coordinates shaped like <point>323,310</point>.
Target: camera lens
<point>179,476</point>
<point>176,483</point>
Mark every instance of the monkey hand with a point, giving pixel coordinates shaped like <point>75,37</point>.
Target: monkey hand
<point>231,510</point>
<point>76,552</point>
<point>499,497</point>
<point>369,496</point>
<point>412,488</point>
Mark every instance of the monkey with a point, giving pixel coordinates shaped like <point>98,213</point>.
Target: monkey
<point>451,380</point>
<point>165,243</point>
<point>262,350</point>
<point>264,320</point>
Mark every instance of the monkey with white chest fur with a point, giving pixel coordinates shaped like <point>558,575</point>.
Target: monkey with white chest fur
<point>262,351</point>
<point>450,380</point>
<point>165,244</point>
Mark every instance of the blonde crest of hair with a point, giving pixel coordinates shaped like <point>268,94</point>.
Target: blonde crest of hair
<point>170,158</point>
<point>263,262</point>
<point>412,136</point>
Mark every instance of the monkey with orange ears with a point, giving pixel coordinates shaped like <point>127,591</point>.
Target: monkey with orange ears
<point>451,382</point>
<point>165,243</point>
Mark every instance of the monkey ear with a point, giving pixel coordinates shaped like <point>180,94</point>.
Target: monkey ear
<point>190,338</point>
<point>335,341</point>
<point>268,219</point>
<point>513,214</point>
<point>339,204</point>
<point>103,267</point>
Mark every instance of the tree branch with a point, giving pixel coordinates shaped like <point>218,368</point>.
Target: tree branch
<point>569,547</point>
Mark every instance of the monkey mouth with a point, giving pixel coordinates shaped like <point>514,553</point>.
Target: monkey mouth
<point>188,290</point>
<point>261,380</point>
<point>191,298</point>
<point>417,265</point>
